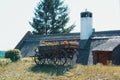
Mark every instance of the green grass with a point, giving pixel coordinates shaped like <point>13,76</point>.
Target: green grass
<point>26,69</point>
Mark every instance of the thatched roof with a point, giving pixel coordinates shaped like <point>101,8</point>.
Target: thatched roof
<point>109,45</point>
<point>29,41</point>
<point>98,41</point>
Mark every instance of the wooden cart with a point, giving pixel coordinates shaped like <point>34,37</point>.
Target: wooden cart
<point>54,54</point>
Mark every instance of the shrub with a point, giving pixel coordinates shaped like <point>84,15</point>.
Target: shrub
<point>14,55</point>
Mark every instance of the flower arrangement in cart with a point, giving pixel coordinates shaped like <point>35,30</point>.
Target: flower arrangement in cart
<point>65,42</point>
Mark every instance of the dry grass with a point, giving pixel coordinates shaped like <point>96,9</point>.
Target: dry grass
<point>4,61</point>
<point>26,69</point>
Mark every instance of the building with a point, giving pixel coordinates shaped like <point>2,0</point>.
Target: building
<point>94,47</point>
<point>109,51</point>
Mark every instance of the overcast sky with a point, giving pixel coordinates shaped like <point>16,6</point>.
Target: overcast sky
<point>16,14</point>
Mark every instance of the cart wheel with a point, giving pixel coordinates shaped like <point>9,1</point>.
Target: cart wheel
<point>60,61</point>
<point>61,57</point>
<point>39,59</point>
<point>54,57</point>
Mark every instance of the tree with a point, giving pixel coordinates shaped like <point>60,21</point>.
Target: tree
<point>51,16</point>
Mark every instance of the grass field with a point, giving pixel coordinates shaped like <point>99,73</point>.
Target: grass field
<point>26,69</point>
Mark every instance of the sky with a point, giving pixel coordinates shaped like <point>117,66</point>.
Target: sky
<point>16,14</point>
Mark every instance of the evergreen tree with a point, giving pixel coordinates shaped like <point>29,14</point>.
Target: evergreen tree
<point>51,16</point>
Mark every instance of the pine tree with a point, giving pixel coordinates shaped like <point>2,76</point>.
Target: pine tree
<point>51,17</point>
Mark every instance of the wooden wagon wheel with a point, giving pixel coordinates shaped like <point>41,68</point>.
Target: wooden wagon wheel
<point>60,58</point>
<point>54,57</point>
<point>39,59</point>
<point>50,58</point>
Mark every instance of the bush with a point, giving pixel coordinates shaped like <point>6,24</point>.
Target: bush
<point>14,55</point>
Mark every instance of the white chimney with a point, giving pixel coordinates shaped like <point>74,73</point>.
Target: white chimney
<point>86,25</point>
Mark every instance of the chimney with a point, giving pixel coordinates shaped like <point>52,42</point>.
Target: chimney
<point>86,25</point>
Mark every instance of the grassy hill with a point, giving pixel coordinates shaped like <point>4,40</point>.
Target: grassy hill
<point>26,69</point>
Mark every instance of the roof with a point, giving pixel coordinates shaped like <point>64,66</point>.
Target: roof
<point>29,41</point>
<point>54,37</point>
<point>106,34</point>
<point>100,40</point>
<point>109,45</point>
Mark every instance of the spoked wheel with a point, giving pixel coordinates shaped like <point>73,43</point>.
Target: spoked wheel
<point>54,57</point>
<point>39,59</point>
<point>60,59</point>
<point>50,61</point>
